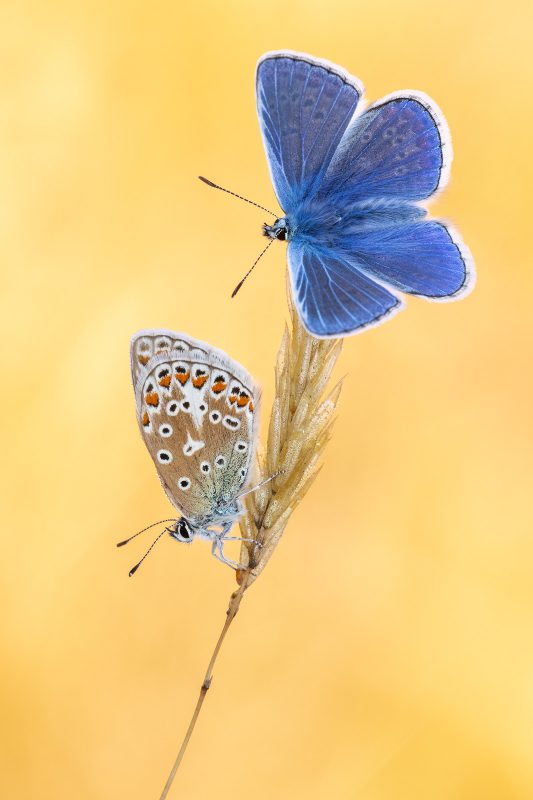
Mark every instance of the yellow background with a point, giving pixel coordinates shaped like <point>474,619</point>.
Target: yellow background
<point>386,652</point>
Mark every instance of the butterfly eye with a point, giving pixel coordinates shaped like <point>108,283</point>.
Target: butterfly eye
<point>165,430</point>
<point>184,483</point>
<point>164,456</point>
<point>183,531</point>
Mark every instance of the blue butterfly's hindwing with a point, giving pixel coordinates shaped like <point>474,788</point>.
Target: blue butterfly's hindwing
<point>334,296</point>
<point>422,258</point>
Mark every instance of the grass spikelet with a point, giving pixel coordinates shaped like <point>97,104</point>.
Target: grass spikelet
<point>298,433</point>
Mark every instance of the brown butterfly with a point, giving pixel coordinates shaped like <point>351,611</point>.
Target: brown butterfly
<point>198,414</point>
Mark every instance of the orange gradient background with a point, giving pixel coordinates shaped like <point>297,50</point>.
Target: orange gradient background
<point>386,653</point>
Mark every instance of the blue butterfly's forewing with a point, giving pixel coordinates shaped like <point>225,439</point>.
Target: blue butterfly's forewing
<point>304,108</point>
<point>333,296</point>
<point>398,149</point>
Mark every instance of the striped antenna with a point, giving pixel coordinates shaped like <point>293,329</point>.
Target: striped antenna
<point>134,569</point>
<point>234,194</point>
<point>160,522</point>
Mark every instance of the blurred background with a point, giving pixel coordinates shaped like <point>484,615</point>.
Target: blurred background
<point>386,652</point>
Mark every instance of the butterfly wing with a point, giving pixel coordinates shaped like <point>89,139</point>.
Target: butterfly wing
<point>427,259</point>
<point>399,148</point>
<point>333,295</point>
<point>197,410</point>
<point>304,107</point>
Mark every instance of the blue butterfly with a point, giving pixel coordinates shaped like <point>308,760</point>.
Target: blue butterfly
<point>350,185</point>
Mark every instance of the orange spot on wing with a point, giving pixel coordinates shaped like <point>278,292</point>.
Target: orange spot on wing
<point>242,401</point>
<point>251,406</point>
<point>146,419</point>
<point>232,398</point>
<point>182,377</point>
<point>152,399</point>
<point>219,386</point>
<point>143,360</point>
<point>165,381</point>
<point>199,382</point>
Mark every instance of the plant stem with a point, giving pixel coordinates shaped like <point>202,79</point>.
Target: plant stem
<point>233,607</point>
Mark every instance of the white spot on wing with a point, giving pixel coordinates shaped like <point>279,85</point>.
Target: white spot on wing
<point>192,446</point>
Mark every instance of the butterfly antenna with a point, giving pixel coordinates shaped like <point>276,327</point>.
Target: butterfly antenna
<point>216,186</point>
<point>255,488</point>
<point>161,521</point>
<point>134,569</point>
<point>259,257</point>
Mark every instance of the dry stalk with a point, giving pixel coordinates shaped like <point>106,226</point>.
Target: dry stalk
<point>300,427</point>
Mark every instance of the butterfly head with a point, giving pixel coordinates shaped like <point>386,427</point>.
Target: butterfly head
<point>182,531</point>
<point>279,230</point>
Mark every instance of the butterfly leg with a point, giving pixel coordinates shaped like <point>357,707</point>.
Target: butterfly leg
<point>238,539</point>
<point>218,546</point>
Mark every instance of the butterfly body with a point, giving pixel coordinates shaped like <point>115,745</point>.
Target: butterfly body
<point>197,410</point>
<point>351,185</point>
<point>320,222</point>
